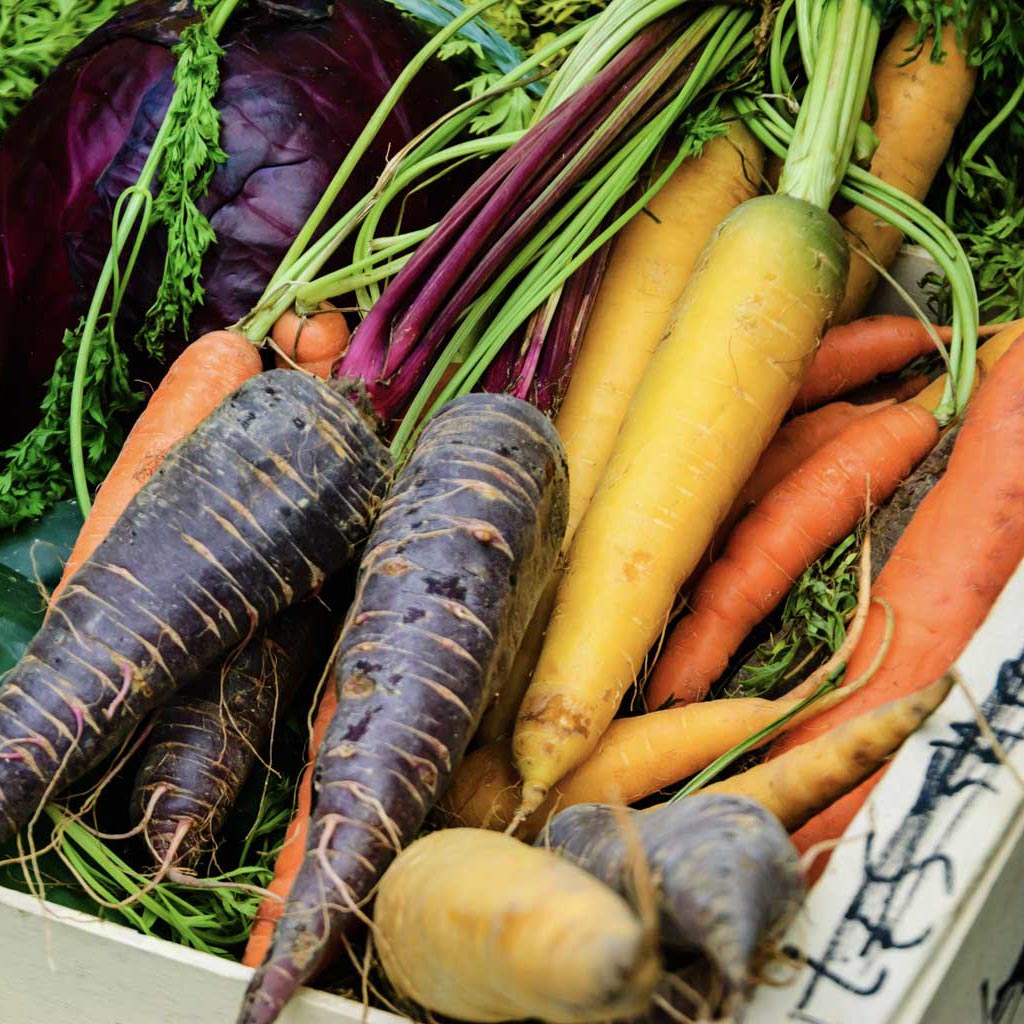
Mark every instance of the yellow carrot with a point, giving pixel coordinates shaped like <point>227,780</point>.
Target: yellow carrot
<point>711,399</point>
<point>650,263</point>
<point>798,784</point>
<point>478,926</point>
<point>649,267</point>
<point>919,105</point>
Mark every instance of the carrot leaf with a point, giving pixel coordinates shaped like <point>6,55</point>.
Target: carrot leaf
<point>35,475</point>
<point>35,36</point>
<point>90,388</point>
<point>813,620</point>
<point>191,156</point>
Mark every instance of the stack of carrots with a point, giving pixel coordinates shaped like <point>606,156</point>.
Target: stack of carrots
<point>563,603</point>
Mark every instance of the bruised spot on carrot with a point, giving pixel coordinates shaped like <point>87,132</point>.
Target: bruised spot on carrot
<point>558,713</point>
<point>394,567</point>
<point>357,687</point>
<point>637,565</point>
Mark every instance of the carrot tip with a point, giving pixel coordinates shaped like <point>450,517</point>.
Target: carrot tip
<point>532,797</point>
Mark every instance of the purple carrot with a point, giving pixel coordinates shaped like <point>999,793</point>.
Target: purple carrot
<point>270,494</point>
<point>206,740</point>
<point>728,875</point>
<point>449,580</point>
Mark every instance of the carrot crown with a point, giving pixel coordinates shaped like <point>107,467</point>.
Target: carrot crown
<point>766,117</point>
<point>838,40</point>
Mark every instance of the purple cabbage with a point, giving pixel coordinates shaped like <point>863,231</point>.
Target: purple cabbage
<point>298,83</point>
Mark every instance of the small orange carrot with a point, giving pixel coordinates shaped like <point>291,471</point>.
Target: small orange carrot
<point>795,442</point>
<point>290,857</point>
<point>896,389</point>
<point>986,356</point>
<point>855,353</point>
<point>962,545</point>
<point>314,342</point>
<point>209,370</point>
<point>796,522</point>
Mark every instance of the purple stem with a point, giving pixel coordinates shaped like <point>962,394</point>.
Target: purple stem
<point>571,320</point>
<point>533,189</point>
<point>388,388</point>
<point>379,345</point>
<point>539,368</point>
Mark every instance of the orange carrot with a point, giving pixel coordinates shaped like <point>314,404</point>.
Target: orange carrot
<point>947,569</point>
<point>796,522</point>
<point>314,342</point>
<point>289,859</point>
<point>796,440</point>
<point>855,353</point>
<point>209,370</point>
<point>895,389</point>
<point>636,758</point>
<point>919,105</point>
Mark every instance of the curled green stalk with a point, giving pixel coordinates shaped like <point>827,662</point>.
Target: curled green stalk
<point>358,151</point>
<point>213,21</point>
<point>433,148</point>
<point>90,387</point>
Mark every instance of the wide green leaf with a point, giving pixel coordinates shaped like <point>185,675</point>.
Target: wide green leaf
<point>30,559</point>
<point>38,550</point>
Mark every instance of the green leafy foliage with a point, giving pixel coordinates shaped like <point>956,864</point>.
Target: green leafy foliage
<point>981,194</point>
<point>529,23</point>
<point>813,621</point>
<point>88,873</point>
<point>35,35</point>
<point>36,472</point>
<point>192,154</point>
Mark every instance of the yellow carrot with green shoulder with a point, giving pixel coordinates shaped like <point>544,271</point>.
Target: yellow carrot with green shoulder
<point>712,397</point>
<point>651,260</point>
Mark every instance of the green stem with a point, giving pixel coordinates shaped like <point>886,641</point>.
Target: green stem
<point>713,770</point>
<point>135,206</point>
<point>309,296</point>
<point>979,140</point>
<point>279,294</point>
<point>842,45</point>
<point>922,226</point>
<point>367,136</point>
<point>556,252</point>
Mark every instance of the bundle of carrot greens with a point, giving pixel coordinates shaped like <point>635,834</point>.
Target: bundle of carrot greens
<point>529,480</point>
